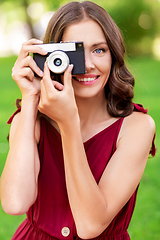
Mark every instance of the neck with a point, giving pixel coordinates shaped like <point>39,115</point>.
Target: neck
<point>92,110</point>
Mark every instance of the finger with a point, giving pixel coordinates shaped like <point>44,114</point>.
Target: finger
<point>33,41</point>
<point>68,76</point>
<point>23,73</point>
<point>31,46</point>
<point>58,85</point>
<point>27,73</point>
<point>28,62</point>
<point>48,84</point>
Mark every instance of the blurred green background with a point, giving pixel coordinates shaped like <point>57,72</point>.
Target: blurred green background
<point>139,21</point>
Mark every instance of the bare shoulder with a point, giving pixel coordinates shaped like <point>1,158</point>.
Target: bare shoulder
<point>139,121</point>
<point>136,127</point>
<point>139,118</point>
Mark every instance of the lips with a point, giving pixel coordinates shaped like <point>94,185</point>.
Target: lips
<point>86,78</point>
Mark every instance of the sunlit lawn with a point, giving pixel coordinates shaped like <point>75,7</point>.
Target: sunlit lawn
<point>145,224</point>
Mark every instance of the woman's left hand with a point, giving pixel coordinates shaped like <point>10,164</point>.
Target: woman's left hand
<point>57,101</point>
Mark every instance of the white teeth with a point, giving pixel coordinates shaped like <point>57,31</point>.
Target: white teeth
<point>86,79</point>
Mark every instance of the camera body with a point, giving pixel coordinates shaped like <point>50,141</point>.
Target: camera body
<point>60,55</point>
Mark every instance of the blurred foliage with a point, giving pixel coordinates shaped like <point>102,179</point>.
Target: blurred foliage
<point>139,20</point>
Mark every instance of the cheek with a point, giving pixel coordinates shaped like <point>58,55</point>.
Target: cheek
<point>104,67</point>
<point>104,64</point>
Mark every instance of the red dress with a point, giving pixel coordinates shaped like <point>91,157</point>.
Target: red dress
<point>50,216</point>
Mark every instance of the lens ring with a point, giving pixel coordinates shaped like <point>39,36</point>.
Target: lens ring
<point>58,61</point>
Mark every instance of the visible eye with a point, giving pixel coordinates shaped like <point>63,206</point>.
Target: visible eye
<point>99,50</point>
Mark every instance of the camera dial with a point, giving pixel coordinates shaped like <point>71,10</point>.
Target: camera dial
<point>58,61</point>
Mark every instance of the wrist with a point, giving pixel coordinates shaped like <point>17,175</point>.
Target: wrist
<point>30,100</point>
<point>29,105</point>
<point>68,127</point>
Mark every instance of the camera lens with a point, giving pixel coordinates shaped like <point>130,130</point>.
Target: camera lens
<point>57,62</point>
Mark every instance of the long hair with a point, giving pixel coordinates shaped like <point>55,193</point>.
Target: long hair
<point>119,87</point>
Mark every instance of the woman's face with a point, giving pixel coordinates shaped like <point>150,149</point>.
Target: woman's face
<point>97,56</point>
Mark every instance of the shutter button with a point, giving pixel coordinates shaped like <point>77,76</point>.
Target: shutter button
<point>65,231</point>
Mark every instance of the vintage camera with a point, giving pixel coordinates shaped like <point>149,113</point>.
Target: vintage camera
<point>60,55</point>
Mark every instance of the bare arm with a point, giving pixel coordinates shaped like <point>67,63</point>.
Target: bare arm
<point>19,177</point>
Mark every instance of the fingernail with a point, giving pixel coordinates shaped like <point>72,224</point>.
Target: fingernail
<point>71,66</point>
<point>41,73</point>
<point>39,41</point>
<point>44,51</point>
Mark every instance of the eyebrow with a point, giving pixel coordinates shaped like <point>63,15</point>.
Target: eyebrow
<point>96,44</point>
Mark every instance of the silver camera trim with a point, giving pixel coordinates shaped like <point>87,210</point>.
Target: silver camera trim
<point>69,46</point>
<point>64,59</point>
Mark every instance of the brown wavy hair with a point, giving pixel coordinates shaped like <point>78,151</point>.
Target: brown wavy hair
<point>119,87</point>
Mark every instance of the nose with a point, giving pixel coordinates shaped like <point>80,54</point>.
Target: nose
<point>89,63</point>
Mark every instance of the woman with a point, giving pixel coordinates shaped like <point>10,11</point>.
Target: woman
<point>75,170</point>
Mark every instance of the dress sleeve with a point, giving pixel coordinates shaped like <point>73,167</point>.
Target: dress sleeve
<point>11,118</point>
<point>140,108</point>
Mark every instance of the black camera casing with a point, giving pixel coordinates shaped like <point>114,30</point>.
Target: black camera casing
<point>73,50</point>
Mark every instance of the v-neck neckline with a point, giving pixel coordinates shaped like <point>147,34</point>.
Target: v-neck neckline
<point>92,137</point>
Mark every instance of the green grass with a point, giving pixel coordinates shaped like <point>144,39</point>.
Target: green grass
<point>145,224</point>
<point>8,94</point>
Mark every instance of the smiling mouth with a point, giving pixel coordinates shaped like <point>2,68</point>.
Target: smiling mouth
<point>89,79</point>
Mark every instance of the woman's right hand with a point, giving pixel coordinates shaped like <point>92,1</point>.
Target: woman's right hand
<point>25,67</point>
